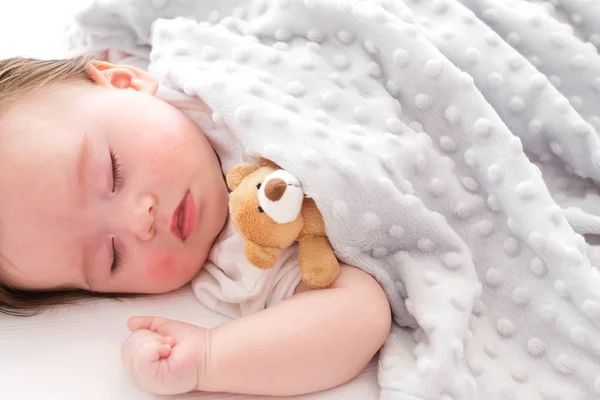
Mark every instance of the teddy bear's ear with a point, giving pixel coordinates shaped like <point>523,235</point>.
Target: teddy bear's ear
<point>261,256</point>
<point>263,162</point>
<point>236,175</point>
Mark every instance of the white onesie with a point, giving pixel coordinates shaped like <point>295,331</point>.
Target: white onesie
<point>227,283</point>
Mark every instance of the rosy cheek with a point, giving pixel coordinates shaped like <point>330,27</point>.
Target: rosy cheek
<point>161,267</point>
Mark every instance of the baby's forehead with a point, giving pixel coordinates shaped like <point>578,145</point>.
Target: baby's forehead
<point>28,137</point>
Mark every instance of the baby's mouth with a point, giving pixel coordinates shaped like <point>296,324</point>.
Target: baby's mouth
<point>184,218</point>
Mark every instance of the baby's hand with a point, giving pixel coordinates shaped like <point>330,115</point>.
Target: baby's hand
<point>164,356</point>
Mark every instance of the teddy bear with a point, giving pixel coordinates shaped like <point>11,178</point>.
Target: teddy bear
<point>270,211</point>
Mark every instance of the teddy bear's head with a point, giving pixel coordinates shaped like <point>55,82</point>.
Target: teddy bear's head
<point>265,206</point>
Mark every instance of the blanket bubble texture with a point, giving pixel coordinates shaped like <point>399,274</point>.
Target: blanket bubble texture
<point>452,147</point>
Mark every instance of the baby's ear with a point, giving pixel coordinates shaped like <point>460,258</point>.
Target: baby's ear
<point>121,77</point>
<point>236,175</point>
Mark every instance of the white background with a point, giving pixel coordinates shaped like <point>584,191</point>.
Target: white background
<point>35,28</point>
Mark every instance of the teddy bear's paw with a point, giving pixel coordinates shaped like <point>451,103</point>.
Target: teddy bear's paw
<point>261,256</point>
<point>322,276</point>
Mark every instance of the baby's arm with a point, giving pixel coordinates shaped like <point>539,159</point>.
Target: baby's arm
<point>315,340</point>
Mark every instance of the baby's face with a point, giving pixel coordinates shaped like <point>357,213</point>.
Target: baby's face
<point>92,184</point>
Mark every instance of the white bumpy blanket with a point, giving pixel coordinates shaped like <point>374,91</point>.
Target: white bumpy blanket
<point>452,147</point>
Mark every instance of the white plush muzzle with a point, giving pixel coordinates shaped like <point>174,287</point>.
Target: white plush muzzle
<point>286,208</point>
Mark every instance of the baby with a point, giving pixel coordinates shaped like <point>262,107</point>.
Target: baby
<point>108,187</point>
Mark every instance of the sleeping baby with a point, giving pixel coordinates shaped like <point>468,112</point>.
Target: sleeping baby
<point>112,186</point>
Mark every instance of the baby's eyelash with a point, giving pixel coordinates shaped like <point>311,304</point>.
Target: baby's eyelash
<point>117,258</point>
<point>117,174</point>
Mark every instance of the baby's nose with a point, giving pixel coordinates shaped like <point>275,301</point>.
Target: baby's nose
<point>142,223</point>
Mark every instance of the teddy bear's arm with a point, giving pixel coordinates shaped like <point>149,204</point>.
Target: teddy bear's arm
<point>313,220</point>
<point>318,263</point>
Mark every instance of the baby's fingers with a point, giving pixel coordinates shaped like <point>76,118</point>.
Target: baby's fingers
<point>135,341</point>
<point>167,340</point>
<point>163,350</point>
<point>152,369</point>
<point>165,327</point>
<point>150,323</point>
<point>147,359</point>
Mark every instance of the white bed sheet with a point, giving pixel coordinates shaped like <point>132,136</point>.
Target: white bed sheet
<point>73,352</point>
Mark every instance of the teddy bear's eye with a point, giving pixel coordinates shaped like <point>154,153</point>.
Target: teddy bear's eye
<point>259,185</point>
<point>260,209</point>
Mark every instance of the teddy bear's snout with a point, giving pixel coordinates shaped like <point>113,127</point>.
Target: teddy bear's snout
<point>275,189</point>
<point>280,196</point>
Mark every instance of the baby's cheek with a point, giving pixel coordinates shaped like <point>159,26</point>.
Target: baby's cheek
<point>167,271</point>
<point>161,267</point>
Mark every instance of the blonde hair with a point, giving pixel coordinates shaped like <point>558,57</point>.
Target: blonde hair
<point>20,78</point>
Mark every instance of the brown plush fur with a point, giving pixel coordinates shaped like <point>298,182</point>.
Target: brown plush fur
<point>265,238</point>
